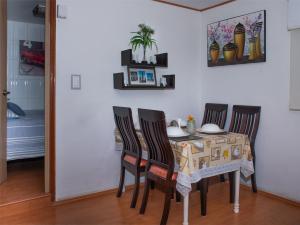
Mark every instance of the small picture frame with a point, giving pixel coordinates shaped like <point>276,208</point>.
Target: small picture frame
<point>142,76</point>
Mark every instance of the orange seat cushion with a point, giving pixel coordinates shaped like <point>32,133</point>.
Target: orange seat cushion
<point>161,172</point>
<point>132,160</point>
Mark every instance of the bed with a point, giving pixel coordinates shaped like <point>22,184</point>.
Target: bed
<point>26,136</point>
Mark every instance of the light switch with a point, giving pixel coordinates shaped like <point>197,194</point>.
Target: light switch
<point>62,11</point>
<point>75,82</point>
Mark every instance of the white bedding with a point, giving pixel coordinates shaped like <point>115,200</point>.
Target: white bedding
<point>26,136</point>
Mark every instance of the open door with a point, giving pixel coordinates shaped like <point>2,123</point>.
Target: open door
<point>3,90</point>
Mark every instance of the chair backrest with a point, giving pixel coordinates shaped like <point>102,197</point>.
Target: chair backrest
<point>245,120</point>
<point>124,123</point>
<point>216,114</point>
<point>153,126</point>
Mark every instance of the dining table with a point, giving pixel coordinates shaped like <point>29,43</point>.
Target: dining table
<point>202,155</point>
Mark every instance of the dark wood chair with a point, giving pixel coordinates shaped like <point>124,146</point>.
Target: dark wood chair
<point>215,113</point>
<point>131,158</point>
<point>160,166</point>
<point>245,120</point>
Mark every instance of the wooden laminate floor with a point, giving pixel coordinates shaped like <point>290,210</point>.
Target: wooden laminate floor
<point>256,209</point>
<point>25,180</point>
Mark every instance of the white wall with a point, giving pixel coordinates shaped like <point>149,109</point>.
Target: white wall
<point>26,91</point>
<point>21,10</point>
<point>89,42</point>
<point>265,84</point>
<point>293,14</point>
<point>295,70</point>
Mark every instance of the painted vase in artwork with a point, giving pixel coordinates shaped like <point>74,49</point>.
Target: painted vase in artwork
<point>239,40</point>
<point>229,52</point>
<point>214,52</point>
<point>252,48</point>
<point>258,47</point>
<point>258,51</point>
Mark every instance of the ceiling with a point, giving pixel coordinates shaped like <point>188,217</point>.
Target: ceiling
<point>198,5</point>
<point>21,10</point>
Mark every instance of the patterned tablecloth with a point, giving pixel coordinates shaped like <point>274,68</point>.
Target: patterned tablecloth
<point>205,157</point>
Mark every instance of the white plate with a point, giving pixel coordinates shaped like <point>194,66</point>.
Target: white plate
<point>175,132</point>
<point>210,132</point>
<point>179,135</point>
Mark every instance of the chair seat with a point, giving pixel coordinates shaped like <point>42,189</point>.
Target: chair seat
<point>161,172</point>
<point>132,160</point>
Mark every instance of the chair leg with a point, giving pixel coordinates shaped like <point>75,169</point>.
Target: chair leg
<point>178,197</point>
<point>203,195</point>
<point>253,182</point>
<point>231,186</point>
<point>136,190</point>
<point>166,211</point>
<point>121,183</point>
<point>253,177</point>
<point>222,178</point>
<point>145,197</point>
<point>198,186</point>
<point>152,183</point>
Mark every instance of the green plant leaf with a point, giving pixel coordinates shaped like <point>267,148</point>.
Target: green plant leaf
<point>143,37</point>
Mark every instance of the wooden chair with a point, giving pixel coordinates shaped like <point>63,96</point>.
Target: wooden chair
<point>131,158</point>
<point>160,166</point>
<point>216,114</point>
<point>245,120</point>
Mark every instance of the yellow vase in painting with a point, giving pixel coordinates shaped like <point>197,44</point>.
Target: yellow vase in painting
<point>252,49</point>
<point>229,52</point>
<point>258,46</point>
<point>214,52</point>
<point>239,40</point>
<point>258,28</point>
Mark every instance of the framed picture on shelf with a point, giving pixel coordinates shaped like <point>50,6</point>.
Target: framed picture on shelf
<point>141,76</point>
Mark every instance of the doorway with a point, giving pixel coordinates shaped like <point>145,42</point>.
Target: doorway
<point>27,102</point>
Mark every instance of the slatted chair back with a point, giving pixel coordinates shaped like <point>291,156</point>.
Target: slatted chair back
<point>124,123</point>
<point>245,120</point>
<point>216,114</point>
<point>153,126</point>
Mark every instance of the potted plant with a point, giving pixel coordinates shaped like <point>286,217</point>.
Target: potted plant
<point>143,38</point>
<point>191,124</point>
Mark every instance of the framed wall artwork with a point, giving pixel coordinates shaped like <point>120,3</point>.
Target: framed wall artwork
<point>142,76</point>
<point>237,40</point>
<point>32,58</point>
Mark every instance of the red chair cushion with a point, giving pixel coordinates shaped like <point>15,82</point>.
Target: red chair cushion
<point>161,172</point>
<point>132,160</point>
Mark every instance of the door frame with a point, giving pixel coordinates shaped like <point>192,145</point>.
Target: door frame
<point>3,86</point>
<point>50,89</point>
<point>50,23</point>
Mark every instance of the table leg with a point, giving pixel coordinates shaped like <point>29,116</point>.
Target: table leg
<point>236,207</point>
<point>186,210</point>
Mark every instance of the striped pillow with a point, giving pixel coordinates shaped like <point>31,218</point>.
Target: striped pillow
<point>11,115</point>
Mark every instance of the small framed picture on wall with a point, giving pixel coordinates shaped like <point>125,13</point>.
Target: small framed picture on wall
<point>142,76</point>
